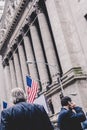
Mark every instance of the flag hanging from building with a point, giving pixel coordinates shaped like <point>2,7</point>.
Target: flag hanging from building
<point>4,104</point>
<point>32,89</point>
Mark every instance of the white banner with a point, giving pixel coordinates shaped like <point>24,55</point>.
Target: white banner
<point>42,101</point>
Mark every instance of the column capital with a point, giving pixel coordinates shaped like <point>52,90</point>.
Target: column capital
<point>5,62</point>
<point>31,19</point>
<point>25,28</point>
<point>9,55</point>
<point>14,46</point>
<point>22,32</point>
<point>40,6</point>
<point>19,38</point>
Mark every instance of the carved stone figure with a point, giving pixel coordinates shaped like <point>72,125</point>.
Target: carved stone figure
<point>2,33</point>
<point>10,11</point>
<point>16,3</point>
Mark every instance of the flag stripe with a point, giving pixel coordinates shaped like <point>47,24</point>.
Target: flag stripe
<point>33,94</point>
<point>32,89</point>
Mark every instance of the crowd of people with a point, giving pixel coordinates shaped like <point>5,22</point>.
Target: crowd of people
<point>25,116</point>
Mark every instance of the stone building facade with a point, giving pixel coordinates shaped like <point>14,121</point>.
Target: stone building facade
<point>45,39</point>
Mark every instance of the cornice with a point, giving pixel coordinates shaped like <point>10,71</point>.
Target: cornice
<point>19,26</point>
<point>16,19</point>
<point>71,76</point>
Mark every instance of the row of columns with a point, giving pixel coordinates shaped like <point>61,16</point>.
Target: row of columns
<point>37,45</point>
<point>39,56</point>
<point>3,96</point>
<point>58,35</point>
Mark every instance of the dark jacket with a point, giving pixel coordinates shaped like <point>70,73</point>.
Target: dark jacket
<point>69,120</point>
<point>84,125</point>
<point>25,116</point>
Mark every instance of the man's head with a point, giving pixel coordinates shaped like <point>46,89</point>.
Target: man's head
<point>18,95</point>
<point>65,101</point>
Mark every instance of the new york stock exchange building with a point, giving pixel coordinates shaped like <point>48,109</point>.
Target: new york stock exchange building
<point>47,40</point>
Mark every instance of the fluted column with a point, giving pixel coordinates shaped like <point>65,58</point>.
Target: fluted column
<point>7,82</point>
<point>23,64</point>
<point>30,57</point>
<point>39,57</point>
<point>58,35</point>
<point>18,70</point>
<point>48,46</point>
<point>2,85</point>
<point>12,72</point>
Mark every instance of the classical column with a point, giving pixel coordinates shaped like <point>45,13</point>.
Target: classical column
<point>7,81</point>
<point>42,67</point>
<point>2,85</point>
<point>58,35</point>
<point>18,70</point>
<point>48,46</point>
<point>30,57</point>
<point>23,63</point>
<point>12,72</point>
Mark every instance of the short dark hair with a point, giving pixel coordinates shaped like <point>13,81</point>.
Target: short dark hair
<point>65,100</point>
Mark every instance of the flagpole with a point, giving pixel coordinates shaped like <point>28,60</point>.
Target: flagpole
<point>59,79</point>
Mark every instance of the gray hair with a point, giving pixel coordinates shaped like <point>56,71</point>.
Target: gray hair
<point>18,95</point>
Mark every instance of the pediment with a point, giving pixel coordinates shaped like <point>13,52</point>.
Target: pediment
<point>10,9</point>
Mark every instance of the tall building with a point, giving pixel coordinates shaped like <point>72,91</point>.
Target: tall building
<point>45,39</point>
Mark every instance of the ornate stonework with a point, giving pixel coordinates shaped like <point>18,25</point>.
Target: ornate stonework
<point>9,13</point>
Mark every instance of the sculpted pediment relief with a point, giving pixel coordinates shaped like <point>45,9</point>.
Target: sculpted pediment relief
<point>10,10</point>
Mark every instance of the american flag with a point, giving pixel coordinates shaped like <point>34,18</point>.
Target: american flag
<point>4,104</point>
<point>32,89</point>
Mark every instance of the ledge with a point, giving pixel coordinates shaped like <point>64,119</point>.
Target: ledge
<point>72,77</point>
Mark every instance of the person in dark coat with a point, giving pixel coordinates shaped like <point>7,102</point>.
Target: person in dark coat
<point>24,116</point>
<point>84,123</point>
<point>70,116</point>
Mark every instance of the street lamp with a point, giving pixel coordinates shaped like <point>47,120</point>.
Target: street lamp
<point>59,79</point>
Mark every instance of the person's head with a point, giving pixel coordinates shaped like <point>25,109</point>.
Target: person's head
<point>18,95</point>
<point>65,101</point>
